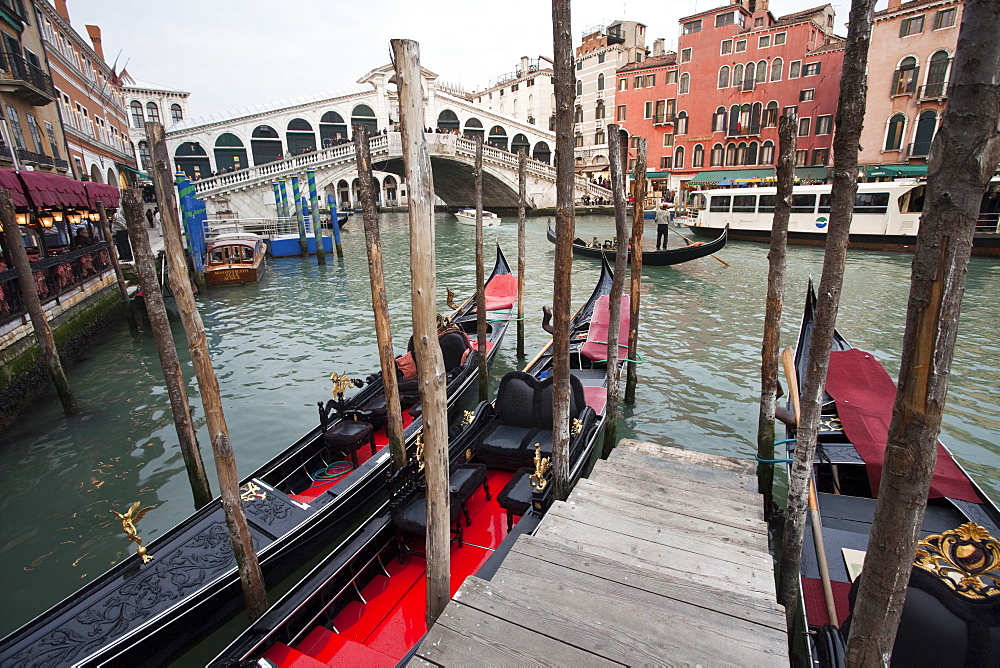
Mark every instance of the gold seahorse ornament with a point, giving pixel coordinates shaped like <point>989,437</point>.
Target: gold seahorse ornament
<point>131,516</point>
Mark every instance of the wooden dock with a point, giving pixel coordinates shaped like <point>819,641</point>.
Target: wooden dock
<point>660,557</point>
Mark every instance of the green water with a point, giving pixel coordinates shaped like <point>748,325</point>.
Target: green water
<point>275,344</point>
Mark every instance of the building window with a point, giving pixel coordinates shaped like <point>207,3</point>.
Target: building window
<point>666,162</point>
<point>599,110</point>
<point>810,69</point>
<point>579,88</point>
<point>686,55</point>
<point>767,153</point>
<point>623,83</point>
<point>894,134</point>
<point>36,133</point>
<point>637,82</point>
<point>15,128</point>
<point>789,110</point>
<point>599,137</point>
<point>738,75</point>
<point>698,158</point>
<point>671,77</point>
<point>800,160</point>
<point>741,45</point>
<point>620,115</point>
<point>679,158</point>
<point>905,80</point>
<point>685,84</point>
<point>776,66</point>
<point>804,126</point>
<point>911,26</point>
<point>748,76</point>
<point>682,123</point>
<point>771,115</point>
<point>647,111</point>
<point>577,114</point>
<point>578,141</point>
<point>945,18</point>
<point>145,157</point>
<point>937,75</point>
<point>137,119</point>
<point>715,160</point>
<point>152,112</point>
<point>668,140</point>
<point>176,113</point>
<point>762,71</point>
<point>634,142</point>
<point>794,68</point>
<point>730,154</point>
<point>824,124</point>
<point>821,156</point>
<point>807,95</point>
<point>758,22</point>
<point>600,57</point>
<point>692,27</point>
<point>727,19</point>
<point>579,65</point>
<point>513,88</point>
<point>50,131</point>
<point>779,39</point>
<point>600,81</point>
<point>650,80</point>
<point>727,47</point>
<point>724,76</point>
<point>763,41</point>
<point>719,120</point>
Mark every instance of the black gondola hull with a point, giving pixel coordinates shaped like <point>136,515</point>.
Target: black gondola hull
<point>654,258</point>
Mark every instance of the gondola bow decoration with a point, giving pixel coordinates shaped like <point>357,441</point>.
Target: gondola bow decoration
<point>967,559</point>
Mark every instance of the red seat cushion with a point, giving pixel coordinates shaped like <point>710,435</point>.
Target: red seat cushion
<point>596,346</point>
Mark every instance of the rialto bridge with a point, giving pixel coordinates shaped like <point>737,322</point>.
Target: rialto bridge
<point>248,150</point>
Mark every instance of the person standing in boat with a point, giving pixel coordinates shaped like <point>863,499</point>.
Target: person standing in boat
<point>120,230</point>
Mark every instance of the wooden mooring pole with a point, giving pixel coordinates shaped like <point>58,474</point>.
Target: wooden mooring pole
<point>166,349</point>
<point>133,324</point>
<point>314,210</point>
<point>427,350</point>
<point>254,593</point>
<point>32,304</point>
<point>484,376</point>
<point>380,304</point>
<point>522,177</point>
<point>300,219</point>
<point>639,196</point>
<point>622,242</point>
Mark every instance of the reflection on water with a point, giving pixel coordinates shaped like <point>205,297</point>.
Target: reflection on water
<point>275,344</point>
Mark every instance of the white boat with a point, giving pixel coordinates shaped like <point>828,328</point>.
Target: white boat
<point>468,217</point>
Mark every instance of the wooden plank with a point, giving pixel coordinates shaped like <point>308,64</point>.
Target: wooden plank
<point>742,466</point>
<point>668,558</point>
<point>754,608</point>
<point>688,535</point>
<point>683,633</point>
<point>467,636</point>
<point>723,479</point>
<point>702,482</point>
<point>660,497</point>
<point>624,475</point>
<point>586,632</point>
<point>420,662</point>
<point>587,492</point>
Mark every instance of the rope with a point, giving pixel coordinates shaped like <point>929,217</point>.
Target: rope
<point>621,359</point>
<point>776,461</point>
<point>332,473</point>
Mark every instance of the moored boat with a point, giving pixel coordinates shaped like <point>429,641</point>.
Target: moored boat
<point>322,486</point>
<point>468,217</point>
<point>654,258</point>
<point>364,604</point>
<point>234,257</point>
<point>953,598</point>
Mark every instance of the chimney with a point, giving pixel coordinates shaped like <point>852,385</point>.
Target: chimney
<point>525,61</point>
<point>61,9</point>
<point>95,37</point>
<point>894,4</point>
<point>658,48</point>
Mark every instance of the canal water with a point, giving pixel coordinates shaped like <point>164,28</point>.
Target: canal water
<point>274,345</point>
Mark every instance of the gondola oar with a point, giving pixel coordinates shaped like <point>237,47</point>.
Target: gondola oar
<point>691,242</point>
<point>791,377</point>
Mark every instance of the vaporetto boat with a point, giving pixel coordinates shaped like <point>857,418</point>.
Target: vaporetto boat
<point>886,215</point>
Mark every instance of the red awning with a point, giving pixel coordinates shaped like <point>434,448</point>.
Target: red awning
<point>9,180</point>
<point>52,190</point>
<point>108,194</point>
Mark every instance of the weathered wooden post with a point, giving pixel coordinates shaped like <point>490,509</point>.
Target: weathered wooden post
<point>846,140</point>
<point>133,325</point>
<point>380,304</point>
<point>172,375</point>
<point>331,202</point>
<point>299,217</point>
<point>484,377</point>
<point>769,353</point>
<point>430,362</point>
<point>522,178</point>
<point>622,242</point>
<point>964,156</point>
<point>254,593</point>
<point>314,207</point>
<point>562,292</point>
<point>32,304</point>
<point>639,195</point>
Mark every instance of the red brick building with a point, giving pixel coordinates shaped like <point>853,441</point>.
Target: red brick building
<point>738,67</point>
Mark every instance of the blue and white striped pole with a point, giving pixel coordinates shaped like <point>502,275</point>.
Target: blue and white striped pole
<point>300,219</point>
<point>331,202</point>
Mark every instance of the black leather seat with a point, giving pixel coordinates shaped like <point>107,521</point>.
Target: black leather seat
<point>515,407</point>
<point>347,436</point>
<point>463,481</point>
<point>516,495</point>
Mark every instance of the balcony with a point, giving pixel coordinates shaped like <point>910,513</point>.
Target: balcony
<point>31,158</point>
<point>62,165</point>
<point>934,91</point>
<point>615,34</point>
<point>21,78</point>
<point>919,149</point>
<point>667,118</point>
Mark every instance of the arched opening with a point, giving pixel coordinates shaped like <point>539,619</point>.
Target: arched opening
<point>679,158</point>
<point>498,137</point>
<point>724,76</point>
<point>600,81</point>
<point>520,143</point>
<point>767,153</point>
<point>905,78</point>
<point>599,110</point>
<point>145,155</point>
<point>344,195</point>
<point>332,129</point>
<point>448,121</point>
<point>698,157</point>
<point>111,177</point>
<point>716,158</point>
<point>730,154</point>
<point>230,154</point>
<point>363,115</point>
<point>192,159</point>
<point>473,128</point>
<point>761,71</point>
<point>894,132</point>
<point>152,112</point>
<point>579,88</point>
<point>176,113</point>
<point>300,137</point>
<point>937,75</point>
<point>752,153</point>
<point>685,84</point>
<point>926,125</point>
<point>541,152</point>
<point>137,119</point>
<point>391,191</point>
<point>265,145</point>
<point>738,75</point>
<point>771,115</point>
<point>95,174</point>
<point>776,67</point>
<point>123,181</point>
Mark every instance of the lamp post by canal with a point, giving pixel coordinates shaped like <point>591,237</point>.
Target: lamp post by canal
<point>299,217</point>
<point>314,208</point>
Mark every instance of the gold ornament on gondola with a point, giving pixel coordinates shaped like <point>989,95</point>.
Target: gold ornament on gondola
<point>419,457</point>
<point>129,518</point>
<point>577,426</point>
<point>830,423</point>
<point>443,322</point>
<point>450,301</point>
<point>967,559</point>
<point>468,417</point>
<point>340,383</point>
<point>252,492</point>
<point>537,479</point>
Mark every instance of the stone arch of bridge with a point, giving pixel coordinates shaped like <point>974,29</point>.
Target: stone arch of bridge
<point>454,182</point>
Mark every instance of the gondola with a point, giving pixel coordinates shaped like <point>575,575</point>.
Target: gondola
<point>655,258</point>
<point>325,484</point>
<point>364,604</point>
<point>942,623</point>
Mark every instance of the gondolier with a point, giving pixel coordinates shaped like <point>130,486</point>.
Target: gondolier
<point>122,244</point>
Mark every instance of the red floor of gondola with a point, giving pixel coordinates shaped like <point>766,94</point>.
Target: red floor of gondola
<point>382,630</point>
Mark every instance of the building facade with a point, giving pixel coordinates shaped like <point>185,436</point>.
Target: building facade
<point>908,82</point>
<point>90,99</point>
<point>158,104</point>
<point>526,94</point>
<point>32,134</point>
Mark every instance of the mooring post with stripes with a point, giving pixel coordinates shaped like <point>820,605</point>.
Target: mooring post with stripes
<point>299,218</point>
<point>277,199</point>
<point>283,209</point>
<point>314,208</point>
<point>331,203</point>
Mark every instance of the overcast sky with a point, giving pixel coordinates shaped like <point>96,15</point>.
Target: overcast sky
<point>236,53</point>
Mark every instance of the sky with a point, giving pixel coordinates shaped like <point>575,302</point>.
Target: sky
<point>237,53</point>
